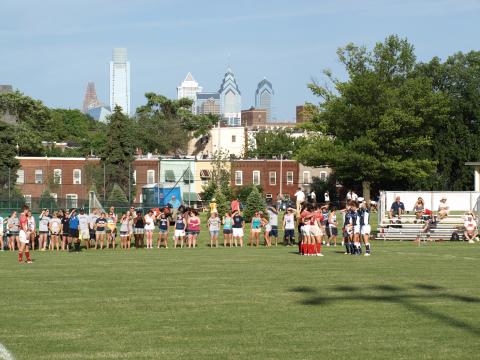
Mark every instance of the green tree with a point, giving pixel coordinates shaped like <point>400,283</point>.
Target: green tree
<point>274,143</point>
<point>220,176</point>
<point>166,126</point>
<point>8,162</point>
<point>242,192</point>
<point>47,200</point>
<point>457,137</point>
<point>255,202</point>
<point>118,153</point>
<point>223,205</point>
<point>376,128</point>
<point>117,197</point>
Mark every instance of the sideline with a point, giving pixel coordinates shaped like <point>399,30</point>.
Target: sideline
<point>5,354</point>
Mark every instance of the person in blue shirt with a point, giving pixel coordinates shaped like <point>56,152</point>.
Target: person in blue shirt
<point>397,209</point>
<point>73,228</point>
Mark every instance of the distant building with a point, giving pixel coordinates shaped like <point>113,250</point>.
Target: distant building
<point>90,99</point>
<point>301,116</point>
<point>227,139</point>
<point>120,80</point>
<point>208,103</point>
<point>189,89</point>
<point>6,117</point>
<point>264,98</point>
<point>230,99</point>
<point>254,117</point>
<point>99,113</point>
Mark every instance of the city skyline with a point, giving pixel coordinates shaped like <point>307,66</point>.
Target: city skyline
<point>52,49</point>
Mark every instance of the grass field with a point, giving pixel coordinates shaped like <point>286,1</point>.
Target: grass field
<point>404,302</point>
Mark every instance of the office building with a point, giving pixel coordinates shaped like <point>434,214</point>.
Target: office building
<point>90,99</point>
<point>120,80</point>
<point>230,99</point>
<point>264,98</point>
<point>189,89</point>
<point>254,117</point>
<point>208,103</point>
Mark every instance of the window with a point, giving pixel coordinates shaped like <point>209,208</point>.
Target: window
<point>289,177</point>
<point>256,177</point>
<point>238,177</point>
<point>20,176</point>
<point>323,175</point>
<point>269,196</point>
<point>306,177</point>
<point>134,175</point>
<point>57,176</point>
<point>72,200</point>
<point>38,176</point>
<point>150,176</point>
<point>28,200</point>
<point>77,176</point>
<point>169,176</point>
<point>234,138</point>
<point>272,178</point>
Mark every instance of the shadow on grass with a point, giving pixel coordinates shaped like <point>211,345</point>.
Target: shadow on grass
<point>403,296</point>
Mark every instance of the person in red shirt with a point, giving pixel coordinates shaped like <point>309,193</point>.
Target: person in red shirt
<point>235,205</point>
<point>305,216</point>
<point>316,232</point>
<point>24,236</point>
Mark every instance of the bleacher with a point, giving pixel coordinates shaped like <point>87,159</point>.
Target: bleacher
<point>409,228</point>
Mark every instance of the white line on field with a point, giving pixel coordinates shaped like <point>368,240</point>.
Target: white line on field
<point>426,255</point>
<point>5,354</point>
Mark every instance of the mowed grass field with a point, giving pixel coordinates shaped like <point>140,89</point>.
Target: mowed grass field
<point>403,302</point>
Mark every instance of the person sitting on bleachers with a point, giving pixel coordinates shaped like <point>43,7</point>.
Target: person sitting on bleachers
<point>397,209</point>
<point>470,226</point>
<point>419,208</point>
<point>443,208</point>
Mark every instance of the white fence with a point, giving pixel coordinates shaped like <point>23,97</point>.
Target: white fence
<point>456,200</point>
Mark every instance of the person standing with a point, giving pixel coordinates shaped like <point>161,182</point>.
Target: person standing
<point>124,224</point>
<point>313,197</point>
<point>273,224</point>
<point>112,220</point>
<point>73,225</point>
<point>300,199</point>
<point>333,226</point>
<point>100,231</point>
<point>179,232</point>
<point>326,196</point>
<point>13,227</point>
<point>24,236</point>
<point>193,228</point>
<point>235,205</point>
<point>163,227</point>
<point>83,230</point>
<point>214,229</point>
<point>92,218</point>
<point>227,230</point>
<point>149,227</point>
<point>139,230</point>
<point>255,229</point>
<point>237,227</point>
<point>32,227</point>
<point>55,227</point>
<point>65,229</point>
<point>289,227</point>
<point>43,221</point>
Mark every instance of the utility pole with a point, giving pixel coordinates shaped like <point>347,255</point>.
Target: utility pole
<point>281,175</point>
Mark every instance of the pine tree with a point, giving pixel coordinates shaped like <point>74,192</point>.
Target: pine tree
<point>222,203</point>
<point>255,202</point>
<point>119,152</point>
<point>117,197</point>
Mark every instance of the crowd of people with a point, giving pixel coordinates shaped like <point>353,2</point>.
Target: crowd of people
<point>68,230</point>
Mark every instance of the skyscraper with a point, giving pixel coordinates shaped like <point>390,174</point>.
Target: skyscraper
<point>264,97</point>
<point>90,100</point>
<point>120,80</point>
<point>230,99</point>
<point>189,89</point>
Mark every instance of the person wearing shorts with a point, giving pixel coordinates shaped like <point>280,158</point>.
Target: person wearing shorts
<point>289,227</point>
<point>139,230</point>
<point>365,228</point>
<point>163,227</point>
<point>179,232</point>
<point>100,231</point>
<point>23,236</point>
<point>13,227</point>
<point>237,228</point>
<point>65,216</point>
<point>111,229</point>
<point>73,229</point>
<point>149,227</point>
<point>124,235</point>
<point>272,213</point>
<point>332,226</point>
<point>32,228</point>
<point>92,218</point>
<point>83,230</point>
<point>227,230</point>
<point>305,216</point>
<point>256,228</point>
<point>43,221</point>
<point>316,232</point>
<point>55,227</point>
<point>193,228</point>
<point>214,228</point>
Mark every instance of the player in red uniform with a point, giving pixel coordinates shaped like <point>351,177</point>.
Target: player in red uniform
<point>24,236</point>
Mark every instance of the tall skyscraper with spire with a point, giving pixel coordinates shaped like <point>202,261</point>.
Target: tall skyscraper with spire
<point>189,89</point>
<point>120,80</point>
<point>90,100</point>
<point>264,97</point>
<point>230,99</point>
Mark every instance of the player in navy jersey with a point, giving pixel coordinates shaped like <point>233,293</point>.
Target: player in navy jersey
<point>365,227</point>
<point>347,228</point>
<point>355,248</point>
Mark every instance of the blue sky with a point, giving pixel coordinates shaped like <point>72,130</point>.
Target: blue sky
<point>50,49</point>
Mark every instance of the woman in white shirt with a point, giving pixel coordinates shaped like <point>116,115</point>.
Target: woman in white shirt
<point>149,227</point>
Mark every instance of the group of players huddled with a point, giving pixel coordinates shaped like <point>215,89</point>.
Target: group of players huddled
<point>66,230</point>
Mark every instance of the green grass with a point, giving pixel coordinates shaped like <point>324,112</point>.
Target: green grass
<point>404,302</point>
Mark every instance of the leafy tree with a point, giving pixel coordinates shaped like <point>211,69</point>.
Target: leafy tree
<point>223,205</point>
<point>274,143</point>
<point>220,176</point>
<point>117,197</point>
<point>255,202</point>
<point>242,192</point>
<point>376,128</point>
<point>165,126</point>
<point>119,151</point>
<point>321,186</point>
<point>457,137</point>
<point>47,200</point>
<point>8,162</point>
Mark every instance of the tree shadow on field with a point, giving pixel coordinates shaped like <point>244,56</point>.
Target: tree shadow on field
<point>408,297</point>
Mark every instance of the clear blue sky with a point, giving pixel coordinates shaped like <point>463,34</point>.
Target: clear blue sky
<point>50,49</point>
